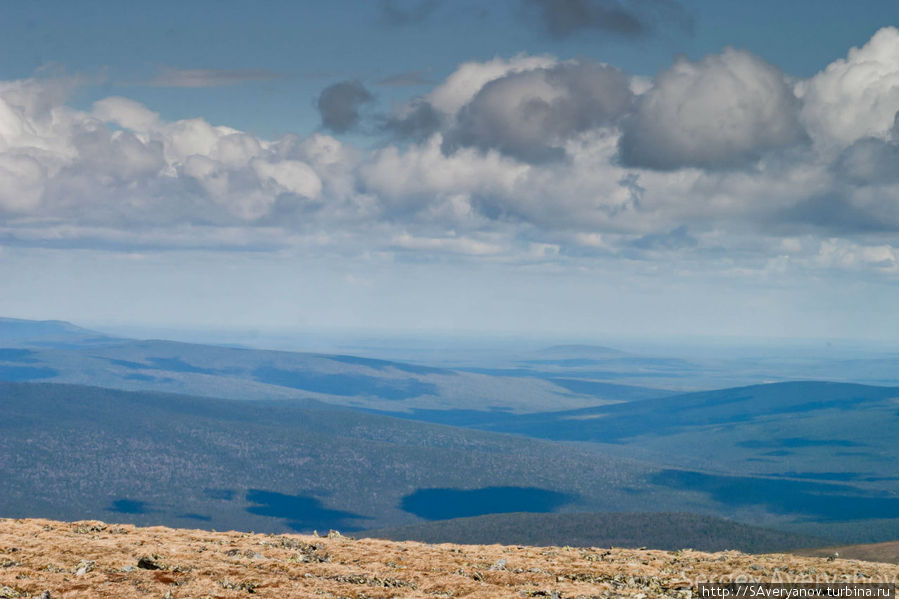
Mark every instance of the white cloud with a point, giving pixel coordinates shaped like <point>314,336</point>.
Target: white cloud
<point>121,165</point>
<point>591,240</point>
<point>844,254</point>
<point>192,137</point>
<point>469,77</point>
<point>423,171</point>
<point>856,96</point>
<point>12,125</point>
<point>419,117</point>
<point>530,114</point>
<point>126,113</point>
<point>722,111</point>
<point>119,173</point>
<point>237,149</point>
<point>292,176</point>
<point>119,155</point>
<point>452,245</point>
<point>21,183</point>
<point>37,98</point>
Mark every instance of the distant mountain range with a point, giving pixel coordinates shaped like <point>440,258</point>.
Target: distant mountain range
<point>59,352</point>
<point>48,333</point>
<point>225,437</point>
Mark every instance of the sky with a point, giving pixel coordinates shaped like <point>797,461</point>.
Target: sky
<point>569,168</point>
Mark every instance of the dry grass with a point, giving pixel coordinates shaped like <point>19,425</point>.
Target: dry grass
<point>874,552</point>
<point>94,560</point>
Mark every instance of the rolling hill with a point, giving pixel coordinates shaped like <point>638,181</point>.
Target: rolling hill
<point>63,353</point>
<point>821,454</point>
<point>803,430</point>
<point>368,443</point>
<point>17,332</point>
<point>85,452</point>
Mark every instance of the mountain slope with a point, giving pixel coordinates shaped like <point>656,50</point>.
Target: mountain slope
<point>84,452</point>
<point>62,353</point>
<point>83,560</point>
<point>662,530</point>
<point>802,430</point>
<point>17,332</point>
<point>821,454</point>
<point>871,552</point>
<point>78,452</point>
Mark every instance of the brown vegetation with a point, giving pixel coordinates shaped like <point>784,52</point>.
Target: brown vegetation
<point>94,559</point>
<point>872,552</point>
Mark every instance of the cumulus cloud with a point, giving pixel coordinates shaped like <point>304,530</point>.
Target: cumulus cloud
<point>421,175</point>
<point>527,158</point>
<point>870,160</point>
<point>414,120</point>
<point>120,155</point>
<point>530,114</point>
<point>121,166</point>
<point>469,77</point>
<point>125,113</point>
<point>21,183</point>
<point>722,111</point>
<point>471,188</point>
<point>339,105</point>
<point>834,213</point>
<point>36,97</point>
<point>562,18</point>
<point>290,176</point>
<point>857,96</point>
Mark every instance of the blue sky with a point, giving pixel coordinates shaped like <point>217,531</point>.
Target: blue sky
<point>572,168</point>
<point>306,45</point>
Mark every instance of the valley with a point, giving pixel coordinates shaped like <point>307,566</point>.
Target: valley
<point>237,438</point>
